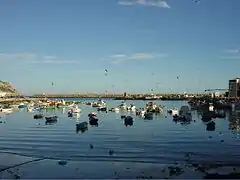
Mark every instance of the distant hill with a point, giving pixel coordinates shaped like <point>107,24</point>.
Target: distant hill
<point>8,88</point>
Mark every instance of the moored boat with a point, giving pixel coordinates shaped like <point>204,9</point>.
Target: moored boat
<point>51,118</point>
<point>22,105</point>
<point>6,110</point>
<point>38,116</point>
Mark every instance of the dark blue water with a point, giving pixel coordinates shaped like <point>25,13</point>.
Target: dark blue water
<point>156,141</point>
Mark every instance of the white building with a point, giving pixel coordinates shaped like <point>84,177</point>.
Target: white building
<point>3,94</point>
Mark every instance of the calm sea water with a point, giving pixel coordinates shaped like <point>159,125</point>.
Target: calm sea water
<point>156,141</point>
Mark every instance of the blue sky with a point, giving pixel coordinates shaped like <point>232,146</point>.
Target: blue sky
<point>144,44</point>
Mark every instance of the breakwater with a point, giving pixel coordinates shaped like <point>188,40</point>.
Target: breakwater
<point>123,97</point>
<point>19,100</point>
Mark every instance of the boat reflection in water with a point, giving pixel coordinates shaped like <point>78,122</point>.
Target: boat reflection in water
<point>234,122</point>
<point>211,126</point>
<point>50,120</point>
<point>128,121</point>
<point>81,130</point>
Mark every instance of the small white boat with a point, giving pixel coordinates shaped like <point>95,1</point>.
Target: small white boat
<point>173,111</point>
<point>140,112</point>
<point>99,104</point>
<point>51,118</point>
<point>116,109</point>
<point>123,106</point>
<point>32,109</point>
<point>131,108</point>
<point>75,109</point>
<point>6,110</point>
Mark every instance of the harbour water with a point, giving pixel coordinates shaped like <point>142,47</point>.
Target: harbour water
<point>157,141</point>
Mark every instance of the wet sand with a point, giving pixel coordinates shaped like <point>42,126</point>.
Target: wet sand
<point>15,166</point>
<point>21,167</point>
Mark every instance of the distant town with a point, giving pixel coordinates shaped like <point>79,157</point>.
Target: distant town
<point>232,92</point>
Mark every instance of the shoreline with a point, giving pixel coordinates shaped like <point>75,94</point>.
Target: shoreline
<point>18,166</point>
<point>133,97</point>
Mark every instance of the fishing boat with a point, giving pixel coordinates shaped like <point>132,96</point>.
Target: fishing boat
<point>51,118</point>
<point>114,110</point>
<point>128,121</point>
<point>148,115</point>
<point>185,113</point>
<point>61,103</point>
<point>140,112</point>
<point>131,108</point>
<point>123,106</point>
<point>75,109</point>
<point>102,109</point>
<point>6,110</point>
<point>93,119</point>
<point>38,116</point>
<point>92,114</point>
<point>22,105</point>
<point>100,103</point>
<point>82,125</point>
<point>173,111</point>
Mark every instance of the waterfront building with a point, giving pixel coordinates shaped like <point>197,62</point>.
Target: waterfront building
<point>3,94</point>
<point>234,88</point>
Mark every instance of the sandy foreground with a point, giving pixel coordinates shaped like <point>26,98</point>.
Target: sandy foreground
<point>21,167</point>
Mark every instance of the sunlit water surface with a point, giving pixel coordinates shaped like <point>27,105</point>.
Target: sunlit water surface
<point>156,141</point>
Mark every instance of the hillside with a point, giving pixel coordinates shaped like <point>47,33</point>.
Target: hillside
<point>8,88</point>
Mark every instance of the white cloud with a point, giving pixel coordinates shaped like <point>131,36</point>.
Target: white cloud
<point>24,55</point>
<point>141,56</point>
<point>50,57</point>
<point>59,62</point>
<point>17,56</point>
<point>118,58</point>
<point>53,61</point>
<point>232,51</point>
<point>144,56</point>
<point>231,54</point>
<point>230,57</point>
<point>30,58</point>
<point>156,3</point>
<point>126,3</point>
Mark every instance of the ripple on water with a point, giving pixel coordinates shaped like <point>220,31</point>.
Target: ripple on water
<point>158,141</point>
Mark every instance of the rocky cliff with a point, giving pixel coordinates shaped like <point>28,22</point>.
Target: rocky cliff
<point>8,88</point>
